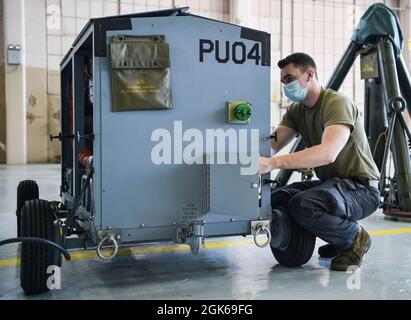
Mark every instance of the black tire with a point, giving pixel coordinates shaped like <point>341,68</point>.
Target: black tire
<point>37,220</point>
<point>26,190</point>
<point>300,247</point>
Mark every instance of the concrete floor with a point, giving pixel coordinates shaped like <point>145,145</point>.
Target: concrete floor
<point>231,268</point>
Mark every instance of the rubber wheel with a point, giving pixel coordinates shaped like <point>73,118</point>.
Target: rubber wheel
<point>300,247</point>
<point>26,190</point>
<point>37,220</point>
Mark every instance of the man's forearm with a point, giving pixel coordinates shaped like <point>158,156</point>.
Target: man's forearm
<point>312,157</point>
<point>332,142</point>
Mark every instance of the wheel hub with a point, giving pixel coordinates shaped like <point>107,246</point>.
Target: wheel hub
<point>280,230</point>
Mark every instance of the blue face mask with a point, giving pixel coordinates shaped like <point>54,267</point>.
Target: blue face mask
<point>294,91</point>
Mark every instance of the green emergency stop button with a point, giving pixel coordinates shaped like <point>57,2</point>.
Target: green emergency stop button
<point>243,111</point>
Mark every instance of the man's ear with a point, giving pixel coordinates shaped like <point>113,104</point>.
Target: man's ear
<point>311,74</point>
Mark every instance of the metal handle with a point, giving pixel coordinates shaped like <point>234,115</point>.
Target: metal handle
<point>61,136</point>
<point>84,136</point>
<point>272,136</point>
<point>106,239</point>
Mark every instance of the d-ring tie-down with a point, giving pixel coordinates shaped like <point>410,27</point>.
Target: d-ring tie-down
<point>262,229</point>
<point>107,239</point>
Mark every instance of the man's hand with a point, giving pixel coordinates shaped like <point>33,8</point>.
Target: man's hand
<point>266,164</point>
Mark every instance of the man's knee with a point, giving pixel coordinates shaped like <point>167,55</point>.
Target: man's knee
<point>314,205</point>
<point>305,206</point>
<point>296,206</point>
<point>280,198</point>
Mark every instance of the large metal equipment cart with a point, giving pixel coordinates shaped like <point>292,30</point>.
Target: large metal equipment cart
<point>134,84</point>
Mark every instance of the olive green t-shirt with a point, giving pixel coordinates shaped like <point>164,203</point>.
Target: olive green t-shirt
<point>355,159</point>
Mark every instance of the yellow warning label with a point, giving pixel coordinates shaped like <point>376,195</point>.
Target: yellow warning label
<point>141,86</point>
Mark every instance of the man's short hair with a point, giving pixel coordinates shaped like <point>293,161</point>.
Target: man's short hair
<point>301,60</point>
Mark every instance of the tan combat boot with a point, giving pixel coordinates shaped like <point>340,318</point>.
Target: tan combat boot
<point>353,256</point>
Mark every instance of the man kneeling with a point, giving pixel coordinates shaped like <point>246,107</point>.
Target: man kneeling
<point>338,150</point>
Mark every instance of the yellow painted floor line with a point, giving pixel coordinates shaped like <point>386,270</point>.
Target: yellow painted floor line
<point>9,262</point>
<point>150,249</point>
<point>386,232</point>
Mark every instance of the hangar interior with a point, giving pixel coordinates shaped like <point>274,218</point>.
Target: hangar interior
<point>35,45</point>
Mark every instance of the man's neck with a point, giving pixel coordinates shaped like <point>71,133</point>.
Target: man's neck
<point>313,95</point>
